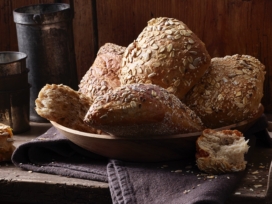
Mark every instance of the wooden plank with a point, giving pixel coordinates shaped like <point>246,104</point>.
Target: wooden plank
<point>5,25</point>
<point>226,27</point>
<point>84,37</point>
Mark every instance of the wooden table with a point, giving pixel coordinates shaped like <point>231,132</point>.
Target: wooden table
<point>20,186</point>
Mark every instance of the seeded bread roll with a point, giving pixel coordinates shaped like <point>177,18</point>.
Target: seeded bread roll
<point>166,53</point>
<point>6,143</point>
<point>221,151</point>
<point>230,92</point>
<point>103,74</point>
<point>141,110</point>
<point>61,104</point>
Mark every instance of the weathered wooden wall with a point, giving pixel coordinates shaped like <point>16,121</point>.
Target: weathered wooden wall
<point>226,27</point>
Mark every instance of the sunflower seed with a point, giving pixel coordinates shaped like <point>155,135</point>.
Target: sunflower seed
<point>177,82</point>
<point>156,33</point>
<point>151,75</point>
<point>155,47</point>
<point>191,41</point>
<point>169,47</point>
<point>153,93</point>
<point>156,64</point>
<point>161,49</point>
<point>182,70</point>
<point>239,93</point>
<point>146,57</point>
<point>220,97</point>
<point>169,32</point>
<point>177,36</point>
<point>162,56</point>
<point>208,110</point>
<point>193,52</point>
<point>196,61</point>
<point>192,66</point>
<point>133,104</point>
<point>244,100</point>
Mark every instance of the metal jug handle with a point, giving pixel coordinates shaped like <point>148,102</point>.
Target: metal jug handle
<point>37,18</point>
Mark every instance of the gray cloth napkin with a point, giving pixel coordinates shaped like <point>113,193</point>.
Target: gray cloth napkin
<point>175,182</point>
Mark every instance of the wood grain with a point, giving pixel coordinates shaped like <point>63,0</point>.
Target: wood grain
<point>84,38</point>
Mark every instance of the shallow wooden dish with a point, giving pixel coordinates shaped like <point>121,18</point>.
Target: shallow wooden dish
<point>166,148</point>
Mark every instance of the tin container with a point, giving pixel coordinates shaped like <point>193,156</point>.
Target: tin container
<point>14,109</point>
<point>14,91</point>
<point>12,63</point>
<point>45,34</point>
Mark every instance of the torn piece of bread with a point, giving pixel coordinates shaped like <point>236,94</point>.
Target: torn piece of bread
<point>6,143</point>
<point>221,151</point>
<point>142,110</point>
<point>61,104</point>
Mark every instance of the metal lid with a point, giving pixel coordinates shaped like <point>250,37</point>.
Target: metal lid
<point>42,14</point>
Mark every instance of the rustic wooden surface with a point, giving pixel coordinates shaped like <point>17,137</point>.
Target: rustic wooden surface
<point>226,27</point>
<point>16,184</point>
<point>20,186</point>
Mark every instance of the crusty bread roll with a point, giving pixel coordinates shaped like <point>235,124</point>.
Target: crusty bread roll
<point>141,110</point>
<point>61,104</point>
<point>166,53</point>
<point>230,92</point>
<point>103,75</point>
<point>6,143</point>
<point>221,151</point>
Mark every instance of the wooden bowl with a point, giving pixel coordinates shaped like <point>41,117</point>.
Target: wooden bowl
<point>153,149</point>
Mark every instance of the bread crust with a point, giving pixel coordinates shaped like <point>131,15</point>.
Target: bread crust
<point>141,110</point>
<point>221,151</point>
<point>103,75</point>
<point>61,104</point>
<point>166,53</point>
<point>229,92</point>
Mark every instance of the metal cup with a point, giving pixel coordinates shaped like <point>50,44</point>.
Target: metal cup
<point>12,63</point>
<point>14,91</point>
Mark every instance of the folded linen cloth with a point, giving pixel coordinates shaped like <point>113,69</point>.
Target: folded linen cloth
<point>131,182</point>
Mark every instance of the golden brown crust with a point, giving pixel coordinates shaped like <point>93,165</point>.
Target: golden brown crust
<point>6,143</point>
<point>65,106</point>
<point>142,110</point>
<point>166,53</point>
<point>230,92</point>
<point>103,75</point>
<point>221,151</point>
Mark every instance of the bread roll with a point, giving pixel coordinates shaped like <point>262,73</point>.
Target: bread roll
<point>103,74</point>
<point>230,92</point>
<point>221,151</point>
<point>6,143</point>
<point>141,110</point>
<point>166,53</point>
<point>61,104</point>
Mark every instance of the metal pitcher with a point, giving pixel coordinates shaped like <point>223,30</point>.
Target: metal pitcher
<point>45,34</point>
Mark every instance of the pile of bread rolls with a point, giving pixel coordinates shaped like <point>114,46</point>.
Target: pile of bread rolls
<point>163,83</point>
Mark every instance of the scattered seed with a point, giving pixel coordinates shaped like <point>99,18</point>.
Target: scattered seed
<point>255,172</point>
